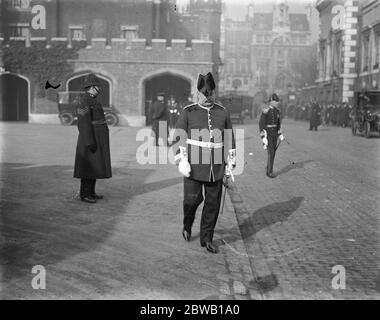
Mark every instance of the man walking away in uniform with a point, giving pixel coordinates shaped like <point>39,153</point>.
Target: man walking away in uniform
<point>204,168</point>
<point>270,131</point>
<point>92,159</point>
<point>159,113</point>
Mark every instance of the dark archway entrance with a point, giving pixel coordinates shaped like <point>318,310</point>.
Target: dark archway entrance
<point>172,85</point>
<point>14,98</point>
<point>75,84</point>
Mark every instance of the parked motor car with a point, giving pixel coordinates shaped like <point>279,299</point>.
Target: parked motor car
<point>239,106</point>
<point>67,104</point>
<point>365,117</point>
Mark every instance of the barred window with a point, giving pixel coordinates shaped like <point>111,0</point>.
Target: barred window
<point>365,53</point>
<point>129,32</point>
<point>18,30</point>
<point>19,4</point>
<point>377,56</point>
<point>77,32</point>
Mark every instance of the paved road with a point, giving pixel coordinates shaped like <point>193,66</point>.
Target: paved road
<point>322,210</point>
<point>127,246</point>
<point>278,238</point>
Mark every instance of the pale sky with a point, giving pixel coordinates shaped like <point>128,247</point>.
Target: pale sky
<point>237,9</point>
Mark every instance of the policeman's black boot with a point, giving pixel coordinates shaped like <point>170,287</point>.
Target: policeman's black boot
<point>93,193</point>
<point>85,191</point>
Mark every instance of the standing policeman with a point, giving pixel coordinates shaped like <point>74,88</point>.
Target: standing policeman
<point>270,130</point>
<point>201,158</point>
<point>92,159</point>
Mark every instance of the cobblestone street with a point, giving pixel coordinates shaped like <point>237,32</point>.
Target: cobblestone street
<point>278,238</point>
<point>322,210</point>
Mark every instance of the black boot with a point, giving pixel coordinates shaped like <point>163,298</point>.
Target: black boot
<point>210,247</point>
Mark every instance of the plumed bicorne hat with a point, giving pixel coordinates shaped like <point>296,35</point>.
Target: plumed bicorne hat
<point>204,80</point>
<point>91,80</point>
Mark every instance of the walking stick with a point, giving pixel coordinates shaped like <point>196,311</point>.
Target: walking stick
<point>223,198</point>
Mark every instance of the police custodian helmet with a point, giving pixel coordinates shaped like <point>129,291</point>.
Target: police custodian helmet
<point>91,80</point>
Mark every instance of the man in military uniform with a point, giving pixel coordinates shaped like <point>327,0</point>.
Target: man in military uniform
<point>159,113</point>
<point>92,159</point>
<point>201,158</point>
<point>270,130</point>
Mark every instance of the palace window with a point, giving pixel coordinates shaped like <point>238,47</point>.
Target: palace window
<point>129,32</point>
<point>19,30</point>
<point>77,32</point>
<point>365,52</point>
<point>377,50</point>
<point>259,38</point>
<point>19,4</point>
<point>205,36</point>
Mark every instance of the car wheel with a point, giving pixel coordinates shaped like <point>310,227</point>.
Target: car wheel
<point>111,119</point>
<point>367,129</point>
<point>66,119</point>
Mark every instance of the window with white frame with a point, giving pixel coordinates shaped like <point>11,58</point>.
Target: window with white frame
<point>365,52</point>
<point>259,38</point>
<point>377,54</point>
<point>19,30</point>
<point>129,32</point>
<point>19,4</point>
<point>205,36</point>
<point>77,32</point>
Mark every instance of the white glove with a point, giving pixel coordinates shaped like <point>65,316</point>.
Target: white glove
<point>281,137</point>
<point>183,165</point>
<point>231,159</point>
<point>184,168</point>
<point>265,143</point>
<point>263,135</point>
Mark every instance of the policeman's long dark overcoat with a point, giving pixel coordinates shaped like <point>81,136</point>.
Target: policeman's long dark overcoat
<point>315,113</point>
<point>90,165</point>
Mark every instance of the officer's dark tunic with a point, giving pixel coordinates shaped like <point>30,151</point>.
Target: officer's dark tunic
<point>93,129</point>
<point>270,120</point>
<point>207,164</point>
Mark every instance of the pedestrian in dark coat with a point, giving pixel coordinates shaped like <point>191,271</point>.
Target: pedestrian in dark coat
<point>159,113</point>
<point>92,159</point>
<point>315,116</point>
<point>270,131</point>
<point>206,145</point>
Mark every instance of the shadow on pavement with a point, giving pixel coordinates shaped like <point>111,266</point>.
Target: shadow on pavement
<point>261,219</point>
<point>294,165</point>
<point>41,223</point>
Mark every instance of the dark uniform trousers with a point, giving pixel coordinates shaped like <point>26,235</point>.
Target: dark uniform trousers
<point>87,187</point>
<point>272,137</point>
<point>193,197</point>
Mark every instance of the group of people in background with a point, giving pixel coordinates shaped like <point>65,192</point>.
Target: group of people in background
<point>166,109</point>
<point>326,114</point>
